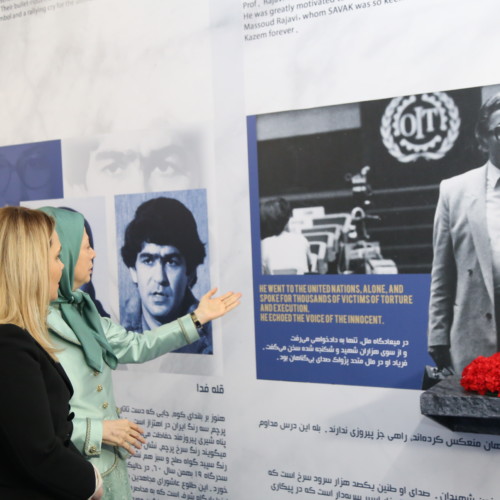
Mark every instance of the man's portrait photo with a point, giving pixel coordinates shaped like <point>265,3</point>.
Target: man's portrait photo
<point>159,159</point>
<point>30,172</point>
<point>162,241</point>
<point>465,284</point>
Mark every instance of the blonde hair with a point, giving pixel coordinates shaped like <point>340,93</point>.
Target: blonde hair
<point>24,271</point>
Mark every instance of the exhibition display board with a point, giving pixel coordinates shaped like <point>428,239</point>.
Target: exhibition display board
<point>347,115</point>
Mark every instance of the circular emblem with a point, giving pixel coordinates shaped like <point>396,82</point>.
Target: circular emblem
<point>420,126</point>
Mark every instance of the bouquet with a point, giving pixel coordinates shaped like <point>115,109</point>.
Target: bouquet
<point>483,375</point>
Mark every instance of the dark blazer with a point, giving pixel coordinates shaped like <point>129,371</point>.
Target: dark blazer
<point>38,461</point>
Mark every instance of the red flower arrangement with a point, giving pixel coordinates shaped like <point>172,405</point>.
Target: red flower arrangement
<point>483,375</point>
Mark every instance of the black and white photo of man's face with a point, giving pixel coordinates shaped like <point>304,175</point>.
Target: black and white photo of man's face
<point>153,162</point>
<point>160,274</point>
<point>492,140</point>
<point>30,172</point>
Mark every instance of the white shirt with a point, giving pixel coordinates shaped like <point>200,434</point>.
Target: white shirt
<point>286,251</point>
<point>493,219</point>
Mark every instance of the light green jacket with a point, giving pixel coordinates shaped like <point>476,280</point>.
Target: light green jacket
<point>93,399</point>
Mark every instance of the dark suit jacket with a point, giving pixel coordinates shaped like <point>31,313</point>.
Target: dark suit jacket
<point>38,461</point>
<point>462,305</point>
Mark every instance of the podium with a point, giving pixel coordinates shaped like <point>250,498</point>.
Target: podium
<point>448,403</point>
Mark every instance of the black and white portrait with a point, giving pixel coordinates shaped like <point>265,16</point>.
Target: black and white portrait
<point>163,260</point>
<point>160,159</point>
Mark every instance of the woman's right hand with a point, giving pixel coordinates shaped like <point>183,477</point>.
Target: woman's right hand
<point>123,433</point>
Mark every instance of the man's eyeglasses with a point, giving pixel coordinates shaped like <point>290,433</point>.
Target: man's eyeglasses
<point>495,132</point>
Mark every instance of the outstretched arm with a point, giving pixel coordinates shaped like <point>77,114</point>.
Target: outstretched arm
<point>131,347</point>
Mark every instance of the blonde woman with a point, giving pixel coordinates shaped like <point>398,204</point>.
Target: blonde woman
<point>38,460</point>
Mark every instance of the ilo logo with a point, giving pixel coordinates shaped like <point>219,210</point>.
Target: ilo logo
<point>420,126</point>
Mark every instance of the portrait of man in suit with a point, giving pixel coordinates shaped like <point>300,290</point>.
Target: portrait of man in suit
<point>465,285</point>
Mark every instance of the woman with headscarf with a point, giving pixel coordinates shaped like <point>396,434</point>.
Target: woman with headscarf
<point>92,346</point>
<point>38,460</point>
